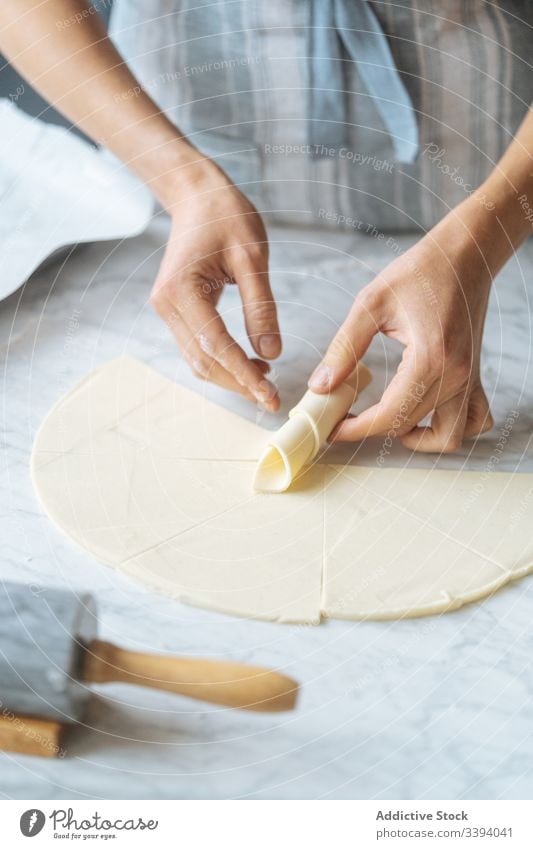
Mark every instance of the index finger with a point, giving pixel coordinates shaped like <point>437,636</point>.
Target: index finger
<point>349,344</point>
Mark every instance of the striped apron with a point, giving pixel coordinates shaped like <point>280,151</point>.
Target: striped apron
<point>233,75</point>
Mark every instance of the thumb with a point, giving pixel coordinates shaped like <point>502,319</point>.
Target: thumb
<point>349,344</point>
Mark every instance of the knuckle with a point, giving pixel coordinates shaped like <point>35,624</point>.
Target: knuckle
<point>488,422</point>
<point>341,347</point>
<point>156,298</point>
<point>194,290</point>
<point>480,420</point>
<point>166,291</point>
<point>208,343</point>
<point>405,428</point>
<point>369,299</point>
<point>451,444</point>
<point>255,254</point>
<point>261,314</point>
<point>222,348</point>
<point>410,441</point>
<point>199,365</point>
<point>164,281</point>
<point>199,374</point>
<point>240,254</point>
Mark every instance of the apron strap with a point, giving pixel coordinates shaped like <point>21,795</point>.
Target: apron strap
<point>344,31</point>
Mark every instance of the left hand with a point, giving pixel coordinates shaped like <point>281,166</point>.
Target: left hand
<point>433,299</point>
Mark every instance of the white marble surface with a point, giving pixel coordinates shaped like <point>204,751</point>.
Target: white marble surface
<point>431,708</point>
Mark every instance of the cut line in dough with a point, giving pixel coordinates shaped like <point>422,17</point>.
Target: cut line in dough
<point>155,481</point>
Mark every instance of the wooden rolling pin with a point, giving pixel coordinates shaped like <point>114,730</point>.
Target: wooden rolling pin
<point>235,685</point>
<point>50,653</point>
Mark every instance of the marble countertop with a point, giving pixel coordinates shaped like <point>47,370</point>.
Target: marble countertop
<point>430,708</point>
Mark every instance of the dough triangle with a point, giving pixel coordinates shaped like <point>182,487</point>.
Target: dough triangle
<point>398,543</point>
<point>262,559</point>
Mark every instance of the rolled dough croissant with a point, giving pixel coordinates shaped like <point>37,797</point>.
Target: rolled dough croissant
<point>298,441</point>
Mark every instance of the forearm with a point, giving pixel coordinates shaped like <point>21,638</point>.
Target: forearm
<point>498,216</point>
<point>79,71</point>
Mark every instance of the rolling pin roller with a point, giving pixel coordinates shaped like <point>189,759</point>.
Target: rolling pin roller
<point>297,443</point>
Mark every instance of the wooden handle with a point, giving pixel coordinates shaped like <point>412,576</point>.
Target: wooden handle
<point>31,736</point>
<point>232,684</point>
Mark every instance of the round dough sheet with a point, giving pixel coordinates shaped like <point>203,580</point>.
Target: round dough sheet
<point>156,481</point>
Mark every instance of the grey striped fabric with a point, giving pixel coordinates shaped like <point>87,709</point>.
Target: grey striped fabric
<point>342,33</point>
<point>233,75</point>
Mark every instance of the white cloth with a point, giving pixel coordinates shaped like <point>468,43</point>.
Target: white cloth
<point>58,190</point>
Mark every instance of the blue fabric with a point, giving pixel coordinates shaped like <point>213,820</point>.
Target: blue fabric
<point>344,31</point>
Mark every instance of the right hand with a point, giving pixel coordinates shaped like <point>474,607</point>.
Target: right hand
<point>218,238</point>
<point>433,300</point>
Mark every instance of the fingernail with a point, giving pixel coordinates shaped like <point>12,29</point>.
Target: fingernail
<point>321,378</point>
<point>266,391</point>
<point>269,345</point>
